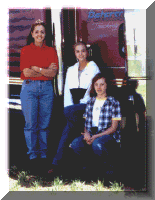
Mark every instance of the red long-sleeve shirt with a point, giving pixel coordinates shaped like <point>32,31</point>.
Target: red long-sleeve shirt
<point>32,55</point>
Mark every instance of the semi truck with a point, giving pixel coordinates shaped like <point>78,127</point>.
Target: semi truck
<point>112,40</point>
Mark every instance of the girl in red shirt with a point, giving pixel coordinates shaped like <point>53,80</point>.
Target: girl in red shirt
<point>38,65</point>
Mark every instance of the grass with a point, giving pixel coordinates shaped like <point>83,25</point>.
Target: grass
<point>22,181</point>
<point>58,185</point>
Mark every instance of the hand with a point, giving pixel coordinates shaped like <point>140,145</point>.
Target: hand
<point>86,137</point>
<point>31,73</point>
<point>91,140</point>
<point>35,68</point>
<point>53,66</point>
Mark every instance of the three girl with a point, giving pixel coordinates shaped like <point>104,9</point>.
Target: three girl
<point>85,93</point>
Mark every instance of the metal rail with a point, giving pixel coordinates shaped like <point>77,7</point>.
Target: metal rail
<point>15,81</point>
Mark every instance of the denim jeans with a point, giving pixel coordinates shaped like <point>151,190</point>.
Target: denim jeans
<point>99,152</point>
<point>73,116</point>
<point>37,103</point>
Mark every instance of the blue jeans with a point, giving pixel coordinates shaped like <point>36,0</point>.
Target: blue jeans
<point>37,103</point>
<point>100,151</point>
<point>73,115</point>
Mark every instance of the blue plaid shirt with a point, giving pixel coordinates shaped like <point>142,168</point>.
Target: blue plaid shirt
<point>110,109</point>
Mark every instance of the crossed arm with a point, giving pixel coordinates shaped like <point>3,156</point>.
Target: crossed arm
<point>34,71</point>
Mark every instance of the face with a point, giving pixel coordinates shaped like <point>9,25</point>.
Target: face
<point>38,34</point>
<point>81,52</point>
<point>100,87</point>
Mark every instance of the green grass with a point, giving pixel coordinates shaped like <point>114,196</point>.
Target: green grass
<point>22,181</point>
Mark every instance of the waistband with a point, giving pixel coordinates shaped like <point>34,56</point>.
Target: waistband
<point>29,81</point>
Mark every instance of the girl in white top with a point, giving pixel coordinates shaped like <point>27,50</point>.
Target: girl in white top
<point>78,76</point>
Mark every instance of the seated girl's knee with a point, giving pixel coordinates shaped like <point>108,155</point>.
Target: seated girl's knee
<point>76,143</point>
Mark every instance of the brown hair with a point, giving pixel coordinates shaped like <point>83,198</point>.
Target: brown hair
<point>30,39</point>
<point>79,43</point>
<point>96,78</point>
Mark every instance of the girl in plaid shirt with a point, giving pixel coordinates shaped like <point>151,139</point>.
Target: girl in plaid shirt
<point>102,116</point>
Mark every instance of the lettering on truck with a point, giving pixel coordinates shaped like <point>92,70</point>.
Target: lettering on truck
<point>105,16</point>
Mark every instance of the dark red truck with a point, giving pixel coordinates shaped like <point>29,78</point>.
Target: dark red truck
<point>103,30</point>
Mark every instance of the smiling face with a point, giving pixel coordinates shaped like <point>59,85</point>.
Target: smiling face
<point>38,34</point>
<point>81,52</point>
<point>100,87</point>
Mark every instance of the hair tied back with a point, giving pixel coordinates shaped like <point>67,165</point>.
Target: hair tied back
<point>38,21</point>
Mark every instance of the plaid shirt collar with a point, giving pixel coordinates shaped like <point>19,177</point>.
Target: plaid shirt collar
<point>109,99</point>
<point>104,122</point>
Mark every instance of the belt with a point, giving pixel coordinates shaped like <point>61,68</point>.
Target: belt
<point>28,81</point>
